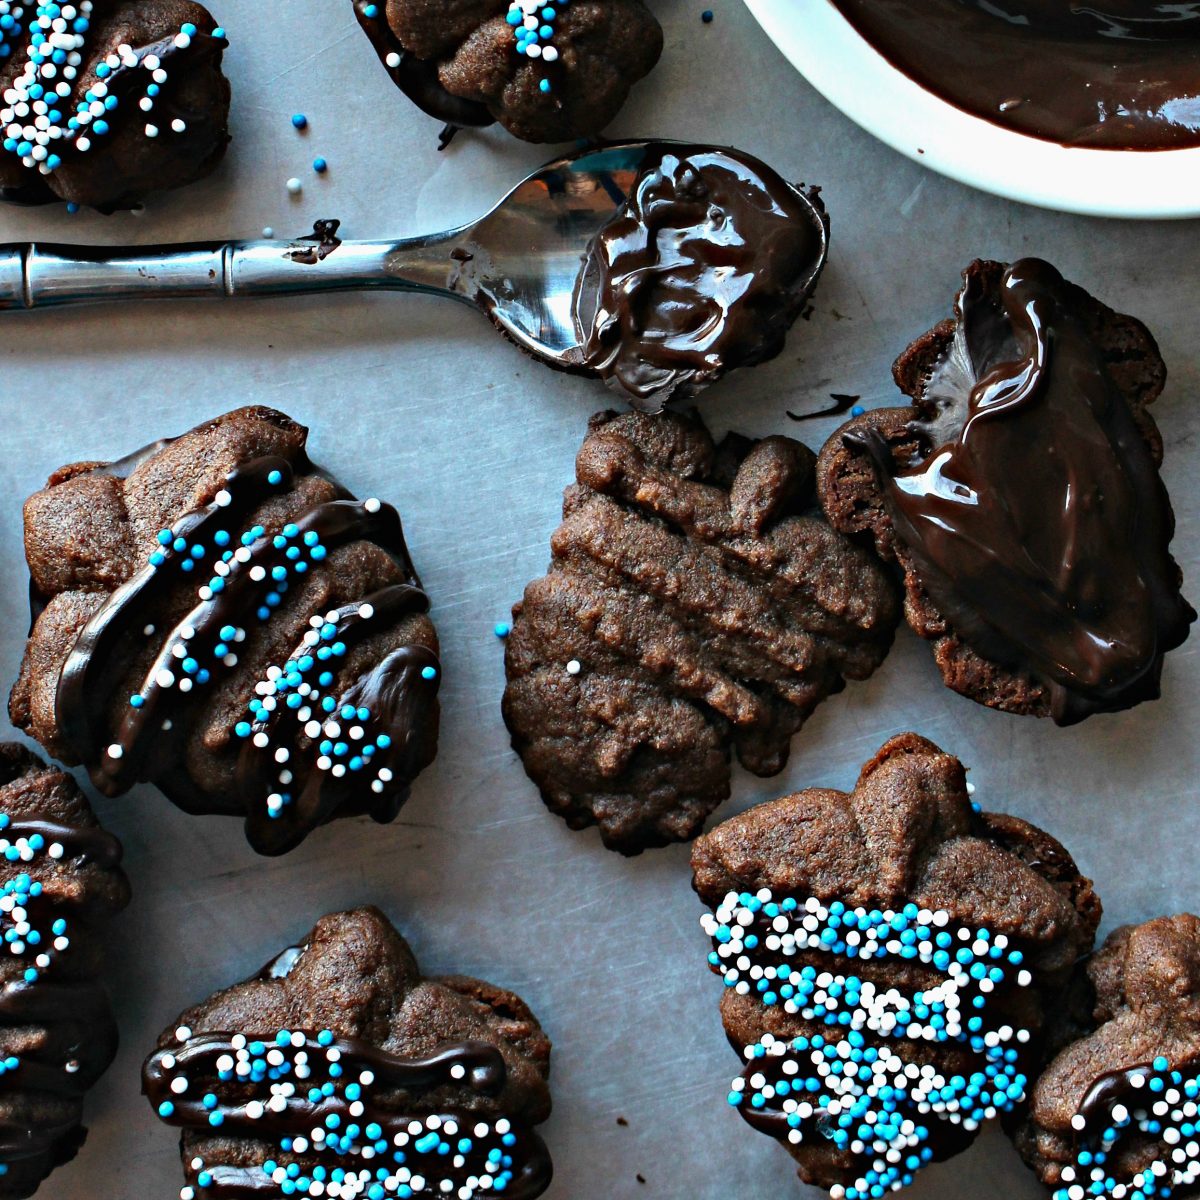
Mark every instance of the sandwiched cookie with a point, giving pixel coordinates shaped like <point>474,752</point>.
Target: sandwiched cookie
<point>897,965</point>
<point>215,615</point>
<point>545,78</point>
<point>340,1071</point>
<point>696,603</point>
<point>60,884</point>
<point>1116,1116</point>
<point>1020,496</point>
<point>105,101</point>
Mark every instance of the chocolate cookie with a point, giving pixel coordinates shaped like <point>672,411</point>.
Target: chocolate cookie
<point>1020,496</point>
<point>1114,1116</point>
<point>107,100</point>
<point>60,885</point>
<point>215,615</point>
<point>339,1071</point>
<point>547,74</point>
<point>892,959</point>
<point>694,603</point>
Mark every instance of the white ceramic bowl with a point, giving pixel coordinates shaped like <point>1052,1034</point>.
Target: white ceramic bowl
<point>840,64</point>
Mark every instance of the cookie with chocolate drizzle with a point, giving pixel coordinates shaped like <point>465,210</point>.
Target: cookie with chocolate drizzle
<point>894,959</point>
<point>340,1071</point>
<point>1115,1114</point>
<point>1020,496</point>
<point>471,65</point>
<point>106,101</point>
<point>696,602</point>
<point>61,884</point>
<point>215,615</point>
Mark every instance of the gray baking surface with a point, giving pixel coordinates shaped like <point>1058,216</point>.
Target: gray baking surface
<point>418,401</point>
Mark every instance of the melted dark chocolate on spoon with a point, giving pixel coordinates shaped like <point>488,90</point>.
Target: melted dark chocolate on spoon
<point>1117,74</point>
<point>705,268</point>
<point>1038,520</point>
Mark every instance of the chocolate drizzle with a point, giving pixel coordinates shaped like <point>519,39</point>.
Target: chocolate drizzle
<point>1034,511</point>
<point>1119,74</point>
<point>399,690</point>
<point>1118,1106</point>
<point>395,692</point>
<point>417,78</point>
<point>385,1103</point>
<point>704,269</point>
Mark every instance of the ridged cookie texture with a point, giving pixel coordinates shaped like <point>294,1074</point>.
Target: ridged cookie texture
<point>695,603</point>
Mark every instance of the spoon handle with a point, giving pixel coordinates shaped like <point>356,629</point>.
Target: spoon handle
<point>40,275</point>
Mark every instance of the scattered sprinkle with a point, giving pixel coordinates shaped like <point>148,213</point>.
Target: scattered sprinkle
<point>295,186</point>
<point>502,629</point>
<point>300,121</point>
<point>320,166</point>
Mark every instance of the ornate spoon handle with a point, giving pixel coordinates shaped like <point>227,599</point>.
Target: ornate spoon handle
<point>41,275</point>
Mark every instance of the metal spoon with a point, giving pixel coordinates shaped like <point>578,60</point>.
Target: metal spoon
<point>520,263</point>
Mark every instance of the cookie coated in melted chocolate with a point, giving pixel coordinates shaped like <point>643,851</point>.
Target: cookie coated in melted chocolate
<point>339,1071</point>
<point>1117,74</point>
<point>266,652</point>
<point>1020,495</point>
<point>1122,1094</point>
<point>1041,527</point>
<point>705,268</point>
<point>57,1032</point>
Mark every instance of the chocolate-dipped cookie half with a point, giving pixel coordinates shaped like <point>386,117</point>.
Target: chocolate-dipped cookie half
<point>60,884</point>
<point>1020,496</point>
<point>896,965</point>
<point>1116,1116</point>
<point>547,73</point>
<point>339,1071</point>
<point>215,615</point>
<point>696,603</point>
<point>105,101</point>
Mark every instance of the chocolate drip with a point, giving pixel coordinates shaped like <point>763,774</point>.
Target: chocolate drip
<point>1040,526</point>
<point>396,689</point>
<point>1118,74</point>
<point>704,269</point>
<point>417,78</point>
<point>477,1066</point>
<point>83,697</point>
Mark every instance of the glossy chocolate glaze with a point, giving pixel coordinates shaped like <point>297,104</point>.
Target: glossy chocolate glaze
<point>474,1066</point>
<point>415,77</point>
<point>400,698</point>
<point>705,268</point>
<point>1035,511</point>
<point>1117,74</point>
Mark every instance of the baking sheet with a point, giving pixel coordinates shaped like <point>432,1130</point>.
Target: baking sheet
<point>421,403</point>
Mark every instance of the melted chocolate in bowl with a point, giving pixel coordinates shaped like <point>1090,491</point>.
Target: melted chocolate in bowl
<point>704,269</point>
<point>1115,75</point>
